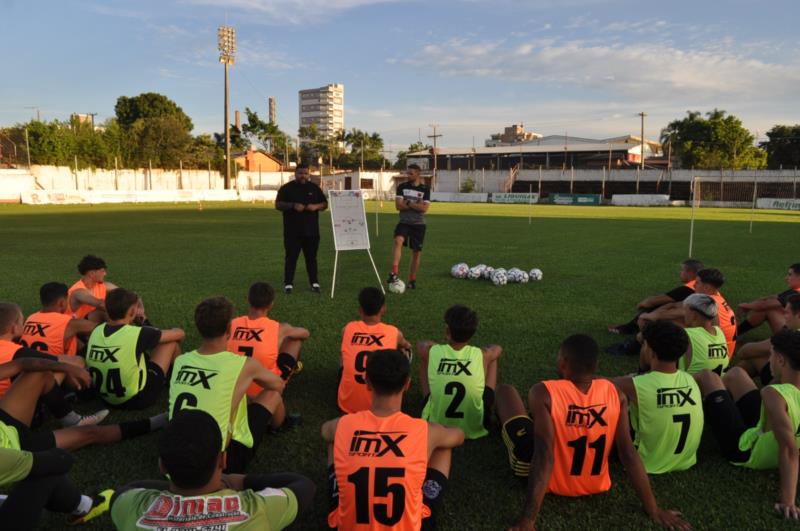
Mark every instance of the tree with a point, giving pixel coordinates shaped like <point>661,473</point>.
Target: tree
<point>267,134</point>
<point>714,142</point>
<point>402,156</point>
<point>783,147</point>
<point>155,130</point>
<point>364,147</point>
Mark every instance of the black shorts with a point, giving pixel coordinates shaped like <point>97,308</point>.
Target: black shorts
<point>156,381</point>
<point>413,235</point>
<point>729,420</point>
<point>680,293</point>
<point>517,433</point>
<point>765,374</point>
<point>32,441</point>
<point>239,455</point>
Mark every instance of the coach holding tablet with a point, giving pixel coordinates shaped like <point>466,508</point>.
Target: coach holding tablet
<point>300,201</point>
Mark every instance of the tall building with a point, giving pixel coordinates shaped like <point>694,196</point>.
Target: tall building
<point>324,107</point>
<point>273,111</point>
<point>515,134</point>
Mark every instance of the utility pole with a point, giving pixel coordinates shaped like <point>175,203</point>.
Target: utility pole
<point>91,116</point>
<point>434,136</point>
<point>641,161</point>
<point>226,41</point>
<point>38,118</point>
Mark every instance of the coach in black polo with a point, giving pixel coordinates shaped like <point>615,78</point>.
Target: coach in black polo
<point>300,201</point>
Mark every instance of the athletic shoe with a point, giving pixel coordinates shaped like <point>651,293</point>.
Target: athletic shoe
<point>411,284</point>
<point>93,419</point>
<point>100,505</point>
<point>315,288</point>
<point>287,289</point>
<point>392,278</point>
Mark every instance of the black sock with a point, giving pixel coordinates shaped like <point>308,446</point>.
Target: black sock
<point>744,327</point>
<point>56,403</point>
<point>134,428</point>
<point>432,493</point>
<point>287,364</point>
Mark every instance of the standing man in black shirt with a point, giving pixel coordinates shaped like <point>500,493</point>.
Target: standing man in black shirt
<point>412,201</point>
<point>300,201</point>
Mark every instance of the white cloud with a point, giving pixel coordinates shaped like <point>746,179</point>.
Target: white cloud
<point>639,70</point>
<point>290,11</point>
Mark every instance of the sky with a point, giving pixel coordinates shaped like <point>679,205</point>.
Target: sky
<point>581,67</point>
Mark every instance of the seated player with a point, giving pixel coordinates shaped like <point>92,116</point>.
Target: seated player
<point>770,308</point>
<point>666,410</point>
<point>38,481</point>
<point>754,357</point>
<point>198,495</point>
<point>33,378</point>
<point>11,328</point>
<point>50,329</point>
<point>759,429</point>
<point>387,470</point>
<point>275,345</point>
<point>708,348</point>
<point>86,297</point>
<point>124,376</point>
<point>457,379</point>
<point>216,381</point>
<point>575,422</point>
<point>359,338</point>
<point>688,273</point>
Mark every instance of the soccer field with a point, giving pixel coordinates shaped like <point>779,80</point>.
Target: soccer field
<point>597,263</point>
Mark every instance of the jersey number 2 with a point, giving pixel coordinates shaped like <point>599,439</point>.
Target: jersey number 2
<point>457,389</point>
<point>380,489</point>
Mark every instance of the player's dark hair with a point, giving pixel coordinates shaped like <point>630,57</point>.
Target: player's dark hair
<point>301,166</point>
<point>371,300</point>
<point>52,292</point>
<point>119,301</point>
<point>90,262</point>
<point>261,295</point>
<point>213,317</point>
<point>8,314</point>
<point>787,342</point>
<point>794,303</point>
<point>692,265</point>
<point>795,268</point>
<point>462,323</point>
<point>387,371</point>
<point>414,167</point>
<point>581,353</point>
<point>711,276</point>
<point>667,340</point>
<point>189,448</point>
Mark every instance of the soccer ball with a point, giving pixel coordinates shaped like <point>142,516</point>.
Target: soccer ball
<point>460,270</point>
<point>524,277</point>
<point>536,274</point>
<point>514,275</point>
<point>487,273</point>
<point>499,277</point>
<point>476,272</point>
<point>398,286</point>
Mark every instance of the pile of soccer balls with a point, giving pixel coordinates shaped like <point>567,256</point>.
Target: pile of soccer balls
<point>499,276</point>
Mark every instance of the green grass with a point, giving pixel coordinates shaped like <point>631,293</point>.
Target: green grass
<point>597,262</point>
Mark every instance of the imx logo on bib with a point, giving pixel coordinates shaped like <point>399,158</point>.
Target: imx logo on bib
<point>367,340</point>
<point>377,443</point>
<point>194,376</point>
<point>243,333</point>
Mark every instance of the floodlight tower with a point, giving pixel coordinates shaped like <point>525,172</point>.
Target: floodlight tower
<point>226,41</point>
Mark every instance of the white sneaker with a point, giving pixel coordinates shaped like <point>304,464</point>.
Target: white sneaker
<point>93,419</point>
<point>287,289</point>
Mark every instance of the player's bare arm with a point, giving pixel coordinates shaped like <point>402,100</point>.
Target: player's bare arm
<point>288,331</point>
<point>655,301</point>
<point>78,326</point>
<point>638,476</point>
<point>76,377</point>
<point>402,342</point>
<point>419,207</point>
<point>779,422</point>
<point>761,305</point>
<point>443,437</point>
<point>84,296</point>
<point>491,352</point>
<point>172,334</point>
<point>543,460</point>
<point>401,204</point>
<point>328,430</point>
<point>625,384</point>
<point>260,375</point>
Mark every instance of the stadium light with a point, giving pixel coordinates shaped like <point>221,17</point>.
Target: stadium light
<point>226,42</point>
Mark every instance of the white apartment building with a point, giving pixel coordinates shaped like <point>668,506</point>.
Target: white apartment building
<point>324,107</point>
